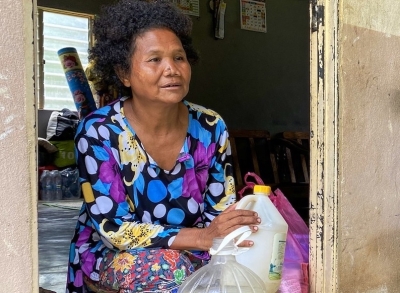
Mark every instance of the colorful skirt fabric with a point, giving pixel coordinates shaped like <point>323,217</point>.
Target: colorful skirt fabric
<point>143,270</point>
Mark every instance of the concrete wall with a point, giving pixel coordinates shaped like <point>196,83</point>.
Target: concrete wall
<point>369,158</point>
<point>18,214</point>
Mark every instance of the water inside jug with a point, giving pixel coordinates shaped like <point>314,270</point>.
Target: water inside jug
<point>223,274</point>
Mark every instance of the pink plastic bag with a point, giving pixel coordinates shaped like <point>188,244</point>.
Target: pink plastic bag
<point>295,265</point>
<point>248,188</point>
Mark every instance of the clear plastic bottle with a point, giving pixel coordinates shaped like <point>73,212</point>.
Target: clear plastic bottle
<point>223,274</point>
<point>57,185</point>
<point>46,186</point>
<point>266,256</point>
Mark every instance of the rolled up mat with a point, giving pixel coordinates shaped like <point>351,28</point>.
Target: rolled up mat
<point>77,81</point>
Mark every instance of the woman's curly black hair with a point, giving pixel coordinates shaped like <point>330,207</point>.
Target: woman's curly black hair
<point>118,26</point>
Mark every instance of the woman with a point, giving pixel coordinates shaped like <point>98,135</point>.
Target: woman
<point>155,169</point>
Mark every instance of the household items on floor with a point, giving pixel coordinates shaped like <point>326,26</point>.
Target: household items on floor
<point>61,129</point>
<point>58,175</point>
<point>59,184</point>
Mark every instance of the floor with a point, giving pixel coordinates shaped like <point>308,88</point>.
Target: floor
<point>57,220</point>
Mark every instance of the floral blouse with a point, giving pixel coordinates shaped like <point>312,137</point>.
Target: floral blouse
<point>130,202</point>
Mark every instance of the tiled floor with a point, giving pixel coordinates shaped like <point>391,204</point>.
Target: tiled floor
<point>57,222</point>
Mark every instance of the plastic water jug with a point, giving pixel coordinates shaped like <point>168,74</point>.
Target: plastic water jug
<point>223,274</point>
<point>266,256</point>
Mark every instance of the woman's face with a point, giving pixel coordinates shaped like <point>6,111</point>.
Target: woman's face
<point>160,71</point>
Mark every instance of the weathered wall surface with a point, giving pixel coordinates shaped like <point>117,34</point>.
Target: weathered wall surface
<point>369,146</point>
<point>18,226</point>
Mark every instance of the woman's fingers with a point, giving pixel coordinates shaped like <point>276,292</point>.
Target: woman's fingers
<point>246,243</point>
<point>239,217</point>
<point>227,222</point>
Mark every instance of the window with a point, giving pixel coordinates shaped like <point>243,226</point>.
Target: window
<point>59,29</point>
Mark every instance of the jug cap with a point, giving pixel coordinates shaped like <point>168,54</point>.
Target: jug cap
<point>262,189</point>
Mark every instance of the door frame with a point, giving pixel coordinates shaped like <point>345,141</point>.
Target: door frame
<point>324,130</point>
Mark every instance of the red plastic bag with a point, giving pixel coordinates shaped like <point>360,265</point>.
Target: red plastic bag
<point>295,264</point>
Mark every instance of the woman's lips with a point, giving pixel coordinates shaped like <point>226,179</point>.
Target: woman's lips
<point>171,85</point>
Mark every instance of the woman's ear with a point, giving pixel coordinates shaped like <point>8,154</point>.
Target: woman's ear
<point>123,76</point>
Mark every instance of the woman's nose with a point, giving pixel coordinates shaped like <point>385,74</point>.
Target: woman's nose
<point>171,69</point>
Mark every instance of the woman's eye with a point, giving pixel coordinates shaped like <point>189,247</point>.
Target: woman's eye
<point>156,59</point>
<point>180,58</point>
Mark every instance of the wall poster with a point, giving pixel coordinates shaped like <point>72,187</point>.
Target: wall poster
<point>253,15</point>
<point>190,7</point>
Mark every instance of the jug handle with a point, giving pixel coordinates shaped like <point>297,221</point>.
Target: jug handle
<point>243,232</point>
<point>241,204</point>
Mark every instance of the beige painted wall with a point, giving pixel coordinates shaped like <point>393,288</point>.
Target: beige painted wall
<point>18,224</point>
<point>369,146</point>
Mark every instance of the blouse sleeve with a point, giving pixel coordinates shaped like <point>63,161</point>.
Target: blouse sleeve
<point>108,205</point>
<point>220,192</point>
